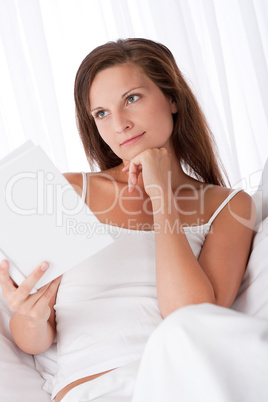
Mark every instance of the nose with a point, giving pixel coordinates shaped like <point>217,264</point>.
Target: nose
<point>121,122</point>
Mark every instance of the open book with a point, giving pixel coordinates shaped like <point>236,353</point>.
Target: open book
<point>42,218</point>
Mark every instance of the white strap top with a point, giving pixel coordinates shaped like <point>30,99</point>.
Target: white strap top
<point>107,307</point>
<point>84,191</point>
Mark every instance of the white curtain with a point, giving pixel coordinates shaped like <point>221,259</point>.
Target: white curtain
<point>220,46</point>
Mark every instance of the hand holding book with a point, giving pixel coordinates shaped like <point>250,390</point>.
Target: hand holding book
<point>39,210</point>
<point>34,308</point>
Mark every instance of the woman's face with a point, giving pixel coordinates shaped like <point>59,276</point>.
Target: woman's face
<point>130,111</point>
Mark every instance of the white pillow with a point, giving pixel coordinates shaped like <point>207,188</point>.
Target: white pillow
<point>260,197</point>
<point>252,296</point>
<point>19,381</point>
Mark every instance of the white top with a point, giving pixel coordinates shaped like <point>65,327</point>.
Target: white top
<point>107,307</point>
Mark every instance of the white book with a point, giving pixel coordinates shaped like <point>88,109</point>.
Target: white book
<point>42,218</point>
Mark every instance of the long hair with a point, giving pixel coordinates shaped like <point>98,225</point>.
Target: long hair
<point>192,140</point>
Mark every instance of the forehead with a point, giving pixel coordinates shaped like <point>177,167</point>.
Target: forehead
<point>117,80</point>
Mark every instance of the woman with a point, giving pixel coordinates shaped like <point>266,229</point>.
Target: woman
<point>184,237</point>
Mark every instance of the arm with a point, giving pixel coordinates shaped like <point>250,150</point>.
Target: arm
<point>181,279</point>
<point>33,322</point>
<point>216,276</point>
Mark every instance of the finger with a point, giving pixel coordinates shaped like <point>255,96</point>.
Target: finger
<point>131,180</point>
<point>24,305</point>
<point>41,306</point>
<point>38,294</point>
<point>36,304</point>
<point>44,291</point>
<point>52,288</point>
<point>7,283</point>
<point>4,264</point>
<point>57,281</point>
<point>125,168</point>
<point>28,284</point>
<point>134,171</point>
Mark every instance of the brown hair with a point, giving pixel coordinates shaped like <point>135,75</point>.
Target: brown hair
<point>192,139</point>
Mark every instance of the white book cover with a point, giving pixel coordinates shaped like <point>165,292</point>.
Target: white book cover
<point>42,218</point>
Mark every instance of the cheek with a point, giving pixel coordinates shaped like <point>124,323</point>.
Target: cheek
<point>163,118</point>
<point>104,131</point>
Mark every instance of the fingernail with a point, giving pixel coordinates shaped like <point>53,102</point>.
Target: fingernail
<point>44,266</point>
<point>3,264</point>
<point>130,186</point>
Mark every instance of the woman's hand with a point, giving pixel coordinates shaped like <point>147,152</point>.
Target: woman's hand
<point>33,308</point>
<point>155,167</point>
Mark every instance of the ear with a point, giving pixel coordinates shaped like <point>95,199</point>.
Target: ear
<point>173,106</point>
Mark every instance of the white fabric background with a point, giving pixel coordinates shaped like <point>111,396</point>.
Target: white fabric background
<point>221,47</point>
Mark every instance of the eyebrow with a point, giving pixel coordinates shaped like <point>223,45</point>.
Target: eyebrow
<point>122,96</point>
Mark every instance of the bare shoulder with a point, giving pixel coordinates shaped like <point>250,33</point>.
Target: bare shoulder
<point>243,204</point>
<point>97,184</point>
<point>76,180</point>
<point>240,209</point>
<point>243,211</point>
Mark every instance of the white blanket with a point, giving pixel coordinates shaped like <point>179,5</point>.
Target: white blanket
<point>205,353</point>
<point>252,296</point>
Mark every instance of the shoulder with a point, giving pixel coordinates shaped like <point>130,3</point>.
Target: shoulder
<point>76,180</point>
<point>226,204</point>
<point>216,195</point>
<point>239,208</point>
<point>242,209</point>
<point>95,180</point>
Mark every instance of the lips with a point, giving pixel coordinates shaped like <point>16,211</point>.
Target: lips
<point>132,140</point>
